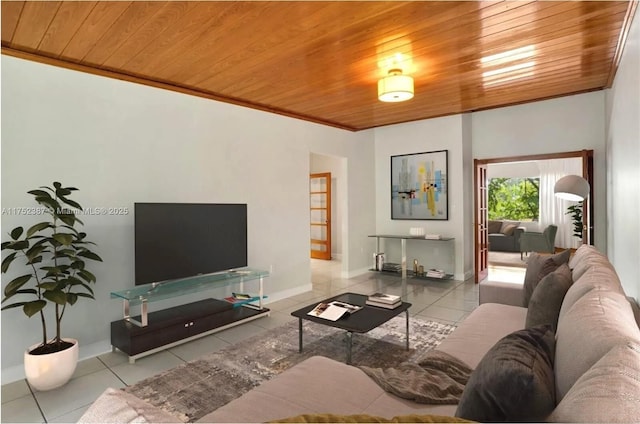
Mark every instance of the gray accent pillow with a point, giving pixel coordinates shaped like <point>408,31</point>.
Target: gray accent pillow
<point>514,381</point>
<point>494,227</point>
<point>546,300</point>
<point>537,267</point>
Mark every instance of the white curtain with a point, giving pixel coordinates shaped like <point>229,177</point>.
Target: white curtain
<point>553,210</point>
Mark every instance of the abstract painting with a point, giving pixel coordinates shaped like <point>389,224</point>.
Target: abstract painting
<point>419,186</point>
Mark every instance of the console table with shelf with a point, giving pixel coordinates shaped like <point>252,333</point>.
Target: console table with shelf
<point>403,246</point>
<point>151,332</point>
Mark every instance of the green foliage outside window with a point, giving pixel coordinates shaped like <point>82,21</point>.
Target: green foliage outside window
<point>514,198</point>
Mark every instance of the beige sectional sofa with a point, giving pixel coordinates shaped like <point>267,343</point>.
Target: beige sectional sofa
<point>597,361</point>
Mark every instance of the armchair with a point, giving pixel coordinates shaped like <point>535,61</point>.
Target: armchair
<point>539,242</point>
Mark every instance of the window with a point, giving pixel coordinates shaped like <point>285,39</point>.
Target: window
<point>514,198</point>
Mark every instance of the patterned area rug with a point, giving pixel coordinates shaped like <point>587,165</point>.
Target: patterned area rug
<point>196,388</point>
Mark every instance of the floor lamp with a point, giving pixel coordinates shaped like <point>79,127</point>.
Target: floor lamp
<point>575,188</point>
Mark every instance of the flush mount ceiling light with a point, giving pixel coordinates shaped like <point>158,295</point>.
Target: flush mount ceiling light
<point>395,87</point>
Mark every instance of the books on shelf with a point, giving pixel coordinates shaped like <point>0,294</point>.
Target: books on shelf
<point>334,310</point>
<point>241,298</point>
<point>384,300</point>
<point>435,273</point>
<point>391,267</point>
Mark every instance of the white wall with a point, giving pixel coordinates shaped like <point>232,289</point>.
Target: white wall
<point>120,143</point>
<point>623,165</point>
<point>528,169</point>
<point>416,137</point>
<point>559,125</point>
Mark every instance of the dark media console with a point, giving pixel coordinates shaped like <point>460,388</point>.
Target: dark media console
<point>177,325</point>
<point>147,333</point>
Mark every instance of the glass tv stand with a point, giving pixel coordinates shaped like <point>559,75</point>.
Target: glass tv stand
<point>154,331</point>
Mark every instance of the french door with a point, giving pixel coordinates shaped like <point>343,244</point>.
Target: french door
<point>320,214</point>
<point>481,217</point>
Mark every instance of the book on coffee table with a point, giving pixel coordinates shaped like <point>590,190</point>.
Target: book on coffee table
<point>384,305</point>
<point>384,298</point>
<point>333,311</point>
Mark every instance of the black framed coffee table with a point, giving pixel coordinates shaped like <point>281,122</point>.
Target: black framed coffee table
<point>362,321</point>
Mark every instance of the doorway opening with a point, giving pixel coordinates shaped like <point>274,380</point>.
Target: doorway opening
<point>549,167</point>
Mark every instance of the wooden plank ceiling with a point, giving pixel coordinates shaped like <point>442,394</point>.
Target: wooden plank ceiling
<point>320,61</point>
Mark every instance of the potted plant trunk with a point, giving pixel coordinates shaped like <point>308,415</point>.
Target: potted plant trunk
<point>54,255</point>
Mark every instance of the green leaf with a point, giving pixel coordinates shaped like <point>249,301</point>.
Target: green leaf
<point>87,276</point>
<point>16,233</point>
<point>7,261</point>
<point>70,202</point>
<point>63,238</point>
<point>38,227</point>
<point>15,284</point>
<point>35,251</point>
<point>57,185</point>
<point>39,193</point>
<point>35,260</point>
<point>70,228</point>
<point>67,218</point>
<point>90,255</point>
<point>27,291</point>
<point>49,285</point>
<point>13,305</point>
<point>52,204</point>
<point>56,296</point>
<point>88,296</point>
<point>62,192</point>
<point>89,289</point>
<point>77,264</point>
<point>72,298</point>
<point>18,245</point>
<point>32,308</point>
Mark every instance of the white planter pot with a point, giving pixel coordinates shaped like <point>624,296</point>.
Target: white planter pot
<point>46,372</point>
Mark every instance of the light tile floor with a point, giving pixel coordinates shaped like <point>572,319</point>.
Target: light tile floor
<point>445,301</point>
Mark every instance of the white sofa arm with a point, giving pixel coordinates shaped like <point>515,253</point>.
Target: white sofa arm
<point>499,292</point>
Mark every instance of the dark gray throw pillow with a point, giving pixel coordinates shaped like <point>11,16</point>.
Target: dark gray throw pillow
<point>537,267</point>
<point>514,381</point>
<point>546,300</point>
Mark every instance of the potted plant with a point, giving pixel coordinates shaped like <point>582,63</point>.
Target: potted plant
<point>55,254</point>
<point>576,217</point>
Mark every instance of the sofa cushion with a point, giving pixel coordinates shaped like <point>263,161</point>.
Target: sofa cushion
<point>602,277</point>
<point>514,380</point>
<point>597,322</point>
<point>546,300</point>
<point>506,223</point>
<point>537,267</point>
<point>509,229</point>
<point>494,227</point>
<point>608,392</point>
<point>314,386</point>
<point>481,330</point>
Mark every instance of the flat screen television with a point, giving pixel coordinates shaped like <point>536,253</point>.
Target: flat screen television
<point>177,240</point>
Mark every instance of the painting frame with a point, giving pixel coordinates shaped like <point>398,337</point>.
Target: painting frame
<point>420,186</point>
